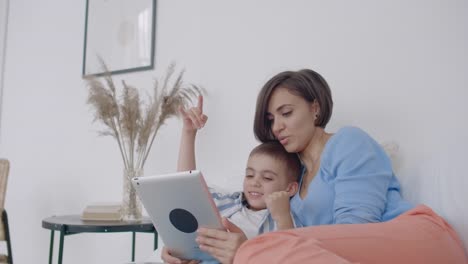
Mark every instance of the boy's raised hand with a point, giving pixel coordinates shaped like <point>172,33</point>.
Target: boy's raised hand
<point>194,118</point>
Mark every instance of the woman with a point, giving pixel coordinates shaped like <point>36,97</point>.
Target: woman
<point>349,197</point>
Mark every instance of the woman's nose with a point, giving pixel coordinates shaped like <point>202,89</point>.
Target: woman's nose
<point>277,126</point>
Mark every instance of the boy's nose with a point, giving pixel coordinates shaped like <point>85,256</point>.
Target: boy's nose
<point>256,183</point>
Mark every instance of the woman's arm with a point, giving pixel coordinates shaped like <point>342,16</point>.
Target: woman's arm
<point>363,173</point>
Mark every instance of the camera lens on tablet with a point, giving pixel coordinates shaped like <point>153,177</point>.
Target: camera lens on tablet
<point>183,220</point>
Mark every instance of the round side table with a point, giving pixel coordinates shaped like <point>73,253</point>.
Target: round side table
<point>72,224</point>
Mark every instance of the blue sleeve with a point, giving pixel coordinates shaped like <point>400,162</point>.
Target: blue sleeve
<point>363,173</point>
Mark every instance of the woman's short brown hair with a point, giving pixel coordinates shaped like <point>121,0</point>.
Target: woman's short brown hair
<point>305,83</point>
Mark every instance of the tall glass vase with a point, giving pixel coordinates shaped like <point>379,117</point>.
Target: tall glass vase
<point>131,204</point>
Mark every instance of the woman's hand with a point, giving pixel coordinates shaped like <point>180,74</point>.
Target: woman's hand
<point>194,118</point>
<point>168,258</point>
<point>222,245</point>
<point>279,207</point>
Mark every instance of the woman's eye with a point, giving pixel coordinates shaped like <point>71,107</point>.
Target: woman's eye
<point>271,121</point>
<point>287,113</point>
<point>249,176</point>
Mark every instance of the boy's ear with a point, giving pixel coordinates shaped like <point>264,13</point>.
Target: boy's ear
<point>292,189</point>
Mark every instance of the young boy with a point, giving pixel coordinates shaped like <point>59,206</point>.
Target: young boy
<point>271,178</point>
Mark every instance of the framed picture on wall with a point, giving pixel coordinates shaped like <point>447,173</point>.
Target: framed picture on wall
<point>120,33</point>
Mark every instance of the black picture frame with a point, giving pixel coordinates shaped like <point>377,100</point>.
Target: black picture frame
<point>120,33</point>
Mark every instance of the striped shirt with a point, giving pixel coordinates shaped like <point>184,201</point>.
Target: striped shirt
<point>232,203</point>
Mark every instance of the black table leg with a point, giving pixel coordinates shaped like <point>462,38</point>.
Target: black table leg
<point>51,250</point>
<point>62,235</point>
<point>133,246</point>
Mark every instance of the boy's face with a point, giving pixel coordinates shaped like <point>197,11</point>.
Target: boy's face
<point>263,176</point>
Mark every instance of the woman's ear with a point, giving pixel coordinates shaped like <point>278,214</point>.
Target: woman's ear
<point>315,109</point>
<point>292,189</point>
<point>314,106</point>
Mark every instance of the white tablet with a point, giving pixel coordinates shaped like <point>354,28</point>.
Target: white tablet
<point>179,203</point>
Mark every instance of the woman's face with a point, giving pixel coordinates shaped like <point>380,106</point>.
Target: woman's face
<point>292,119</point>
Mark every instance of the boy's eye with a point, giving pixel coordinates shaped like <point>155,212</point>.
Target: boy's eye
<point>268,178</point>
<point>249,176</point>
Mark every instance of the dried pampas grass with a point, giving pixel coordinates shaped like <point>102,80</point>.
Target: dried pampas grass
<point>132,121</point>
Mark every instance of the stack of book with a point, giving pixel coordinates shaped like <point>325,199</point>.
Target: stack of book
<point>102,212</point>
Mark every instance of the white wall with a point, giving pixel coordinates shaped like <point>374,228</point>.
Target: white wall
<point>396,68</point>
<point>3,32</point>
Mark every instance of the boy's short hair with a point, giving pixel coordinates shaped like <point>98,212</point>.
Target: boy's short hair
<point>277,151</point>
